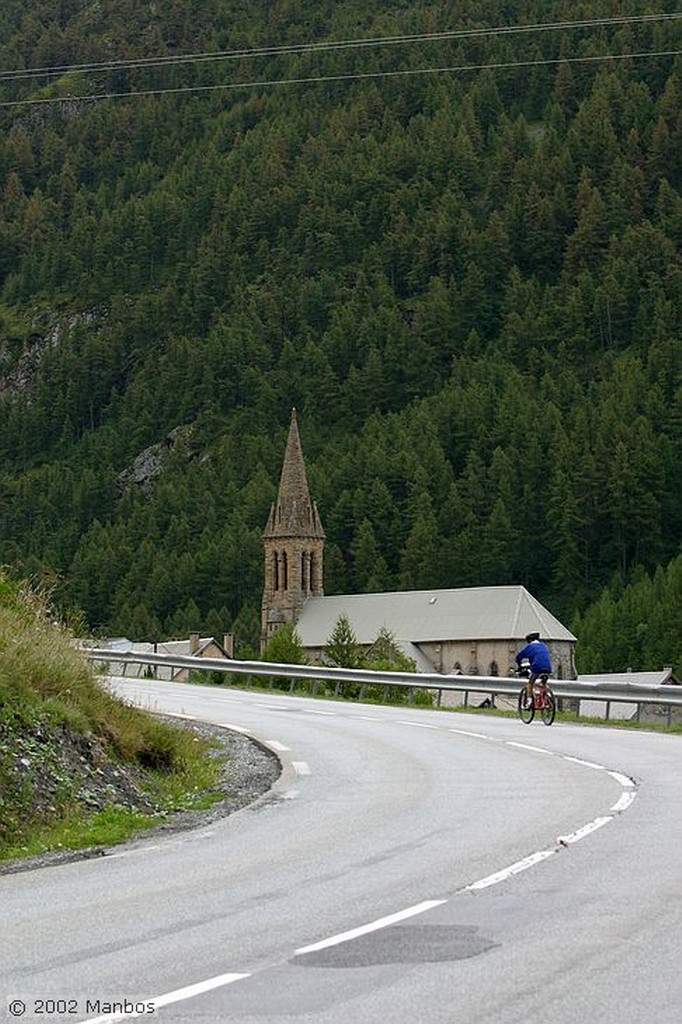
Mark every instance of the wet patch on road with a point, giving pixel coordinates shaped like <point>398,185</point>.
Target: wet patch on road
<point>416,944</point>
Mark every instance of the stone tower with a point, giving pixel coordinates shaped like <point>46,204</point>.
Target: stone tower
<point>294,542</point>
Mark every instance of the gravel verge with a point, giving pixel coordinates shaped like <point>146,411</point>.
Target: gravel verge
<point>248,771</point>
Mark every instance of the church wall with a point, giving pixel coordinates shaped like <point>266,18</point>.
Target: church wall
<point>492,657</point>
<point>480,657</point>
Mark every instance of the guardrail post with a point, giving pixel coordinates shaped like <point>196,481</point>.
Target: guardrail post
<point>466,699</point>
<point>608,710</point>
<point>670,714</point>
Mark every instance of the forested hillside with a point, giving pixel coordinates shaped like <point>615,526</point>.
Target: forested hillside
<point>467,282</point>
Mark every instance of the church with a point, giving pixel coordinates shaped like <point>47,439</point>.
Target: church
<point>473,631</point>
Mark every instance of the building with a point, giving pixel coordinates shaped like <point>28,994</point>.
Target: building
<point>195,645</point>
<point>473,631</point>
<point>293,541</point>
<point>616,710</point>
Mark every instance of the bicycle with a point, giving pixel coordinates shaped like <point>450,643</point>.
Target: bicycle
<point>543,700</point>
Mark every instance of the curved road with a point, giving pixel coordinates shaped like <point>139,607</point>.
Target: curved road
<point>408,866</point>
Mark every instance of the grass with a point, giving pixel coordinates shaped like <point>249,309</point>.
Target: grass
<point>55,717</point>
<point>305,688</point>
<point>77,832</point>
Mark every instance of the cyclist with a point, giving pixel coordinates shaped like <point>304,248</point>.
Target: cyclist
<point>537,654</point>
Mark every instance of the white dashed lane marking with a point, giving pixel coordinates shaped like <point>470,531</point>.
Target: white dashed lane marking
<point>505,873</point>
<point>374,926</point>
<point>302,768</point>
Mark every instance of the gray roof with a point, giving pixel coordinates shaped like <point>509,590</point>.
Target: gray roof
<point>417,616</point>
<point>663,677</point>
<point>171,647</point>
<point>422,663</point>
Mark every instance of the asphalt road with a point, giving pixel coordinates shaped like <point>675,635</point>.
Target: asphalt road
<point>409,866</point>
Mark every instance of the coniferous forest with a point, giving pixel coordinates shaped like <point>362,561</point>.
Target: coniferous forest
<point>466,281</point>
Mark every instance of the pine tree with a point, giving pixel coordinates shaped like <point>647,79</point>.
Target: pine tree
<point>342,647</point>
<point>284,647</point>
<point>369,567</point>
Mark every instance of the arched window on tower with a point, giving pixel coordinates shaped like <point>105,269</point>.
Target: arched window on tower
<point>311,567</point>
<point>304,570</point>
<point>275,570</point>
<point>285,571</point>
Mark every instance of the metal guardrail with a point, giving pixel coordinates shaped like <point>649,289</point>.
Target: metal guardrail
<point>668,696</point>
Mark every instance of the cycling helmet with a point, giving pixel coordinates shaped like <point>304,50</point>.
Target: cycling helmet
<point>532,636</point>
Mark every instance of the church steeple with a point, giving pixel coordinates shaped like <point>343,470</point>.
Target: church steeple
<point>293,540</point>
<point>293,514</point>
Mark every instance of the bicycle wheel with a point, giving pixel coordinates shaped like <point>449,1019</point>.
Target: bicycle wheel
<point>549,707</point>
<point>526,706</point>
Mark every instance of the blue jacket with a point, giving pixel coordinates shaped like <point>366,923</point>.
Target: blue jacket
<point>537,654</point>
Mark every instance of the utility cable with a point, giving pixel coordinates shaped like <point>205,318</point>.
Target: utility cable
<point>332,45</point>
<point>353,76</point>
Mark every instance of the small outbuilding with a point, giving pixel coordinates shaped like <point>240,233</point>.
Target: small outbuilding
<point>195,645</point>
<point>623,711</point>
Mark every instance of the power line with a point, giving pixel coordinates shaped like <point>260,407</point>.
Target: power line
<point>333,45</point>
<point>354,76</point>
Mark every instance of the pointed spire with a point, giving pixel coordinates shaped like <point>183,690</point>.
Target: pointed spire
<point>293,514</point>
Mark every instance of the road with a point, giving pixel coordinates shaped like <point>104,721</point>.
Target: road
<point>409,866</point>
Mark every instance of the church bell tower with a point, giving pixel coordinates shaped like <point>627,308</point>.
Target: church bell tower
<point>293,541</point>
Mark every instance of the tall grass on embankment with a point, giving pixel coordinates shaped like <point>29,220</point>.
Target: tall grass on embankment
<point>78,767</point>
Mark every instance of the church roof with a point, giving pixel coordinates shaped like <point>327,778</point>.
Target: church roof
<point>293,514</point>
<point>476,613</point>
